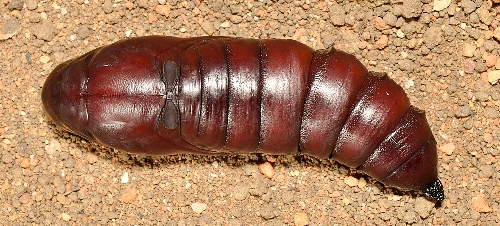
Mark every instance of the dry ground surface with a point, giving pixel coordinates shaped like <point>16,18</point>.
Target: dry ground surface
<point>445,55</point>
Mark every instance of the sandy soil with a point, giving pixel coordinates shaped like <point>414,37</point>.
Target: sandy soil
<point>446,57</point>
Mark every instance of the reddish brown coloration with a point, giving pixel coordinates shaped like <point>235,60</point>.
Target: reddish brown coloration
<point>216,95</point>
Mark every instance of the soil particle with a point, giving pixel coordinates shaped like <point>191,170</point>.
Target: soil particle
<point>491,112</point>
<point>241,192</point>
<point>423,207</point>
<point>337,15</point>
<point>433,36</point>
<point>44,31</point>
<point>129,195</point>
<point>411,8</point>
<point>198,207</point>
<point>267,212</point>
<point>10,28</point>
<point>15,4</point>
<point>468,6</point>
<point>107,6</point>
<point>494,76</point>
<point>301,219</point>
<point>267,169</point>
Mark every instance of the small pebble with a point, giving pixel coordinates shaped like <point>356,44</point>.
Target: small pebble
<point>129,5</point>
<point>125,178</point>
<point>129,195</point>
<point>128,33</point>
<point>241,192</point>
<point>488,138</point>
<point>15,5</point>
<point>53,146</point>
<point>481,96</point>
<point>44,31</point>
<point>468,6</point>
<point>491,112</point>
<point>208,27</point>
<point>382,41</point>
<point>44,59</point>
<point>469,66</point>
<point>487,171</point>
<point>25,198</point>
<point>463,111</point>
<point>362,44</point>
<point>25,163</point>
<point>9,29</point>
<point>448,148</point>
<point>6,141</point>
<point>484,14</point>
<point>469,49</point>
<point>300,219</point>
<point>65,216</point>
<point>390,19</point>
<point>379,23</point>
<point>152,18</point>
<point>496,33</point>
<point>493,76</point>
<point>479,204</point>
<point>271,158</point>
<point>411,8</point>
<point>337,15</point>
<point>491,60</point>
<point>236,19</point>
<point>394,198</point>
<point>423,207</point>
<point>107,6</point>
<point>225,24</point>
<point>267,212</point>
<point>196,11</point>
<point>351,181</point>
<point>31,4</point>
<point>163,10</point>
<point>441,4</point>
<point>83,32</point>
<point>400,33</point>
<point>267,169</point>
<point>433,36</point>
<point>412,43</point>
<point>361,183</point>
<point>198,207</point>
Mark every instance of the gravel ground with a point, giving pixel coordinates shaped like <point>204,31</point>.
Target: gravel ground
<point>445,55</point>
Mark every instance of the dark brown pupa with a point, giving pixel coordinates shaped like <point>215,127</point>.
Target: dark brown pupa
<point>161,95</point>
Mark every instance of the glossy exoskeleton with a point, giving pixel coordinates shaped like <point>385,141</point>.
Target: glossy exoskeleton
<point>161,95</point>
